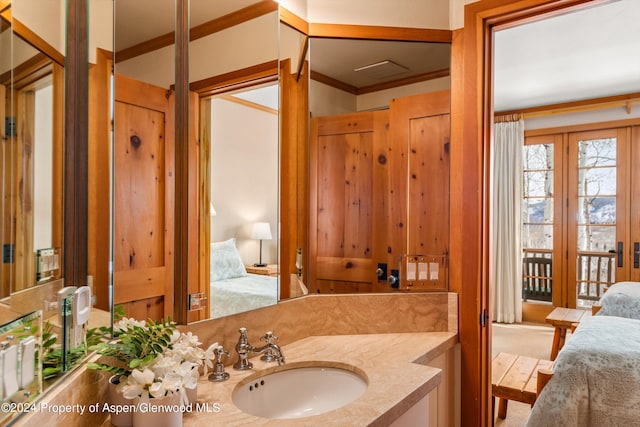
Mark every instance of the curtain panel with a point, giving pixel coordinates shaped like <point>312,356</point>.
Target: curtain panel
<point>505,272</point>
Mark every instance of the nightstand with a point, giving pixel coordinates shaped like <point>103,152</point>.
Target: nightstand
<point>269,270</point>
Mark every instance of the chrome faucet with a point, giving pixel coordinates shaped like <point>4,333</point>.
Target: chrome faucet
<point>218,370</point>
<point>270,351</point>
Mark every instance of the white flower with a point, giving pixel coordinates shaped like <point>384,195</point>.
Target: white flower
<point>188,374</point>
<point>138,384</point>
<point>190,339</point>
<point>163,365</point>
<point>128,323</point>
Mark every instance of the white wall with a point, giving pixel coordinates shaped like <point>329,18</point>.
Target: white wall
<point>432,14</point>
<point>43,169</point>
<point>46,18</point>
<point>100,27</point>
<point>456,13</point>
<point>253,42</point>
<point>244,176</point>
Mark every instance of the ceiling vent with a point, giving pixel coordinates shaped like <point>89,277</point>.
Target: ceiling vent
<point>382,70</point>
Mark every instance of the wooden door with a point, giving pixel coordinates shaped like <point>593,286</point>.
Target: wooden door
<point>419,175</point>
<point>143,199</point>
<point>597,221</point>
<point>343,202</point>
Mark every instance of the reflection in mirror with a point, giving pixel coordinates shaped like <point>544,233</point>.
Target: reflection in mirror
<point>32,219</point>
<point>244,200</point>
<point>144,158</point>
<point>238,180</point>
<point>374,135</point>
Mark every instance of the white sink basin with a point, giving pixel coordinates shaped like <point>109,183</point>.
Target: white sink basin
<point>299,390</point>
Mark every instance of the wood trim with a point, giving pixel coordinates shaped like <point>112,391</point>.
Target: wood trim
<point>578,106</point>
<point>100,174</point>
<point>582,128</point>
<point>469,242</point>
<point>28,72</point>
<point>330,81</point>
<point>204,192</point>
<point>181,171</point>
<point>249,104</point>
<point>406,81</point>
<point>203,30</point>
<point>265,72</point>
<point>342,31</point>
<point>294,21</point>
<point>76,146</point>
<point>248,13</point>
<point>35,40</point>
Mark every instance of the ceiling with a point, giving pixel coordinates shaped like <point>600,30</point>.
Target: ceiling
<point>338,58</point>
<point>591,53</point>
<point>581,55</point>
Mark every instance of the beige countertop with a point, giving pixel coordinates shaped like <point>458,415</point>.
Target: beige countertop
<point>396,367</point>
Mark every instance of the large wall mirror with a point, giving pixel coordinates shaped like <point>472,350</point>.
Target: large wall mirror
<point>379,165</point>
<point>254,169</point>
<point>32,131</point>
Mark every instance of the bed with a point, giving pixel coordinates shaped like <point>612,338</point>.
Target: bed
<point>596,376</point>
<point>621,299</point>
<point>244,293</point>
<point>232,289</point>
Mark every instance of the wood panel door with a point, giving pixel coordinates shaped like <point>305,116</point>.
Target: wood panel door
<point>419,176</point>
<point>143,199</point>
<point>344,202</point>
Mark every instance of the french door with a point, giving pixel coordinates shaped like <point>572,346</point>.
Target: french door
<point>581,209</point>
<point>598,213</point>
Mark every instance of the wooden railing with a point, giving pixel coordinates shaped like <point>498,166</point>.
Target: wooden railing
<point>594,272</point>
<point>537,275</point>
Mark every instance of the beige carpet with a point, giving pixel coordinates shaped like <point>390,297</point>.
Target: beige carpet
<point>526,339</point>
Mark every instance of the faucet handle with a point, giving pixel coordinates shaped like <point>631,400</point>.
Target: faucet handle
<point>219,352</point>
<point>268,337</point>
<point>219,373</point>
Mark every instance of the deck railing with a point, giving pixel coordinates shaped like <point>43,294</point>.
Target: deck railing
<point>537,275</point>
<point>594,272</point>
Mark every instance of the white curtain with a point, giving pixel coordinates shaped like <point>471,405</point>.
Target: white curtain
<point>505,271</point>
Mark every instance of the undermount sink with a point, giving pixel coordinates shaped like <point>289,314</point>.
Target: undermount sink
<point>299,390</point>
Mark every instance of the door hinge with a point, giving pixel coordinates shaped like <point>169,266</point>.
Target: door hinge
<point>484,318</point>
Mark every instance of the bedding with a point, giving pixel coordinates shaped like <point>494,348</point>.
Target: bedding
<point>226,262</point>
<point>621,299</point>
<point>596,377</point>
<point>238,294</point>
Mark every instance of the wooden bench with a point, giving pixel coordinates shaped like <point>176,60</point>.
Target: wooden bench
<point>563,319</point>
<point>515,377</point>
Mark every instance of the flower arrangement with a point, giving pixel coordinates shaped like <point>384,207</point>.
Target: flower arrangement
<point>153,359</point>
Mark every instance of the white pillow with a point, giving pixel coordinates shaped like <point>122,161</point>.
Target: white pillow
<point>225,261</point>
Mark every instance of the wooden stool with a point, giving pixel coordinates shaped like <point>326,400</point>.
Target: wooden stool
<point>562,319</point>
<point>515,378</point>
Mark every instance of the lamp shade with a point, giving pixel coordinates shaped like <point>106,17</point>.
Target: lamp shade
<point>261,231</point>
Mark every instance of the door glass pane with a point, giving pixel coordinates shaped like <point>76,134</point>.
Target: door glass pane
<point>537,221</point>
<point>537,202</point>
<point>596,217</point>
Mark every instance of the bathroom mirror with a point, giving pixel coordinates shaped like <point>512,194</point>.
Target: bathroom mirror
<point>372,200</point>
<point>238,102</point>
<point>33,81</point>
